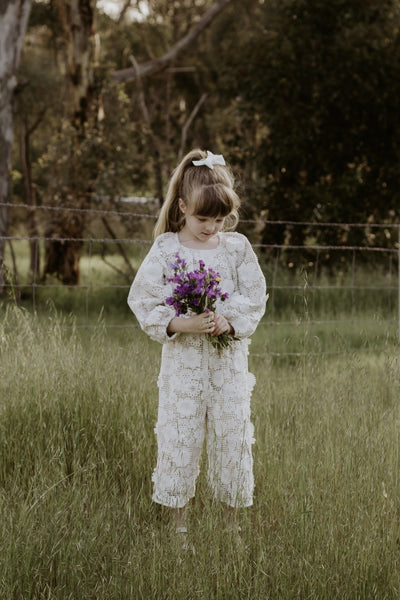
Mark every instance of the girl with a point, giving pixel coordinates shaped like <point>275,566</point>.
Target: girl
<point>203,392</point>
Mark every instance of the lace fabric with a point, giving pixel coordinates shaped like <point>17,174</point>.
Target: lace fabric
<point>202,393</point>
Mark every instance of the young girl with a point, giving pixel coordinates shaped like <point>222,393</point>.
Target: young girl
<point>203,392</point>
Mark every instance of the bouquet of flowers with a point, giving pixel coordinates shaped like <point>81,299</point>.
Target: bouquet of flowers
<point>197,291</point>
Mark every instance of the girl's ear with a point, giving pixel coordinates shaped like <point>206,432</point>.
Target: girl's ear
<point>182,205</point>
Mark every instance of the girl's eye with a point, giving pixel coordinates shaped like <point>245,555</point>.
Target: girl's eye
<point>204,220</point>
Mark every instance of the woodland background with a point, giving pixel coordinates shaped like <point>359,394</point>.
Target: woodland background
<point>302,97</point>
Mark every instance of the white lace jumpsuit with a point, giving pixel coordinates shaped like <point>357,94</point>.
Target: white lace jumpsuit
<point>202,393</point>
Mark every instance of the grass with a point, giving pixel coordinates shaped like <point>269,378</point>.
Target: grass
<point>78,403</point>
<point>308,312</point>
<point>77,449</point>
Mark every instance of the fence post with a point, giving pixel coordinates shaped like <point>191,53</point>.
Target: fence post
<point>398,292</point>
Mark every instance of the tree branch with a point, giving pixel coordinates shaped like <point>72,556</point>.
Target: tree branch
<point>142,100</point>
<point>122,14</point>
<point>119,245</point>
<point>159,64</point>
<point>39,119</point>
<point>188,123</point>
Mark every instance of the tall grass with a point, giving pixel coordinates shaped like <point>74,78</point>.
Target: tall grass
<point>351,290</point>
<point>77,449</point>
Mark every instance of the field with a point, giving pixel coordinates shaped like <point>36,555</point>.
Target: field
<point>77,449</point>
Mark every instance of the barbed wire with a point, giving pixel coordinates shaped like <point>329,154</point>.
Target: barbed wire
<point>89,240</point>
<point>312,354</point>
<point>303,287</point>
<point>96,211</point>
<point>92,240</point>
<point>310,288</point>
<point>148,216</point>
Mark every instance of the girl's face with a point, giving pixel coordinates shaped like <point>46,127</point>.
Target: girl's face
<point>199,229</point>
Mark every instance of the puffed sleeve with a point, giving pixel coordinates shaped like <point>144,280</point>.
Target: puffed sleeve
<point>147,295</point>
<point>246,305</point>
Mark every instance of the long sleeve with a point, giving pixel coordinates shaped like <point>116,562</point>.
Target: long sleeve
<point>148,293</point>
<point>246,305</point>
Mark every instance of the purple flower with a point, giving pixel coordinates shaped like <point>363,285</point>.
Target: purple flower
<point>196,291</point>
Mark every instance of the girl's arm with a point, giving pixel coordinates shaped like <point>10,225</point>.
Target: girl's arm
<point>246,305</point>
<point>147,295</point>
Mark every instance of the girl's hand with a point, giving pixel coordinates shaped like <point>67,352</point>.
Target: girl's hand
<point>222,325</point>
<point>202,323</point>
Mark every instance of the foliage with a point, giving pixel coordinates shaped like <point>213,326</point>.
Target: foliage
<point>301,97</point>
<point>321,79</point>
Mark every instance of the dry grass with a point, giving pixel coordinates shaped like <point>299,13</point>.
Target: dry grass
<point>77,450</point>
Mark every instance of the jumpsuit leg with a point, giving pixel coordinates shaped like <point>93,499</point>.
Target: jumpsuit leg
<point>230,435</point>
<point>180,427</point>
<point>180,436</point>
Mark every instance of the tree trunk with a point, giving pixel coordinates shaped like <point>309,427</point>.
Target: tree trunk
<point>78,22</point>
<point>14,16</point>
<point>152,139</point>
<point>62,253</point>
<point>30,197</point>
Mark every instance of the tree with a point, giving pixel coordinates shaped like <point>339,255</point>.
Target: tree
<point>38,105</point>
<point>14,16</point>
<point>321,82</point>
<point>59,160</point>
<point>87,86</point>
<point>78,25</point>
<point>160,63</point>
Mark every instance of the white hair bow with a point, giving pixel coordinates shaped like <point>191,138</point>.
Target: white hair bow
<point>210,161</point>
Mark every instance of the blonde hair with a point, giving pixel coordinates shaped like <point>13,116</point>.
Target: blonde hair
<point>206,192</point>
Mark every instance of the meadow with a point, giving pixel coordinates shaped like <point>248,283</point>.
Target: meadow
<point>77,449</point>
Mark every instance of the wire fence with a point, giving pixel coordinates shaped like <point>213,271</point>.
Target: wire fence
<point>312,310</point>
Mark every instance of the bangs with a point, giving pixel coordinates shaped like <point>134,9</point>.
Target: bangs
<point>213,201</point>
